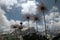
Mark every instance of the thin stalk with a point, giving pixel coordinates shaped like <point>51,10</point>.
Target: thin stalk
<point>45,25</point>
<point>14,26</point>
<point>36,27</point>
<point>15,34</point>
<point>20,32</point>
<point>21,38</point>
<point>55,1</point>
<point>28,25</point>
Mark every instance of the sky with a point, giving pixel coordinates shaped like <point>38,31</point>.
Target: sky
<point>13,12</point>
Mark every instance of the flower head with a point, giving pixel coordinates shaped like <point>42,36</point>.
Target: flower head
<point>21,23</point>
<point>36,18</point>
<point>27,16</point>
<point>20,27</point>
<point>41,7</point>
<point>14,26</point>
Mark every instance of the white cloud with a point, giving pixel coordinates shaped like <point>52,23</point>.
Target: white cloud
<point>29,7</point>
<point>52,19</point>
<point>52,16</point>
<point>4,23</point>
<point>8,3</point>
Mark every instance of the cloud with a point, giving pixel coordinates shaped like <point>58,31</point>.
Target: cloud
<point>29,4</point>
<point>4,23</point>
<point>29,7</point>
<point>12,22</point>
<point>53,19</point>
<point>8,3</point>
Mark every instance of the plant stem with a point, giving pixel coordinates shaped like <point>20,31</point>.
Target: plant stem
<point>36,27</point>
<point>45,25</point>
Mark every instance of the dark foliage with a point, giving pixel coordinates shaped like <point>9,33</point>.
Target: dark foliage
<point>57,37</point>
<point>34,36</point>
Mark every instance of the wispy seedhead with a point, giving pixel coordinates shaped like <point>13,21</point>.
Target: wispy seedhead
<point>21,23</point>
<point>27,17</point>
<point>20,27</point>
<point>13,26</point>
<point>36,18</point>
<point>41,7</point>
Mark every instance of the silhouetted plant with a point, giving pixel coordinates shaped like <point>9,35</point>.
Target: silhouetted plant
<point>21,23</point>
<point>14,26</point>
<point>43,9</point>
<point>36,19</point>
<point>27,17</point>
<point>21,27</point>
<point>57,37</point>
